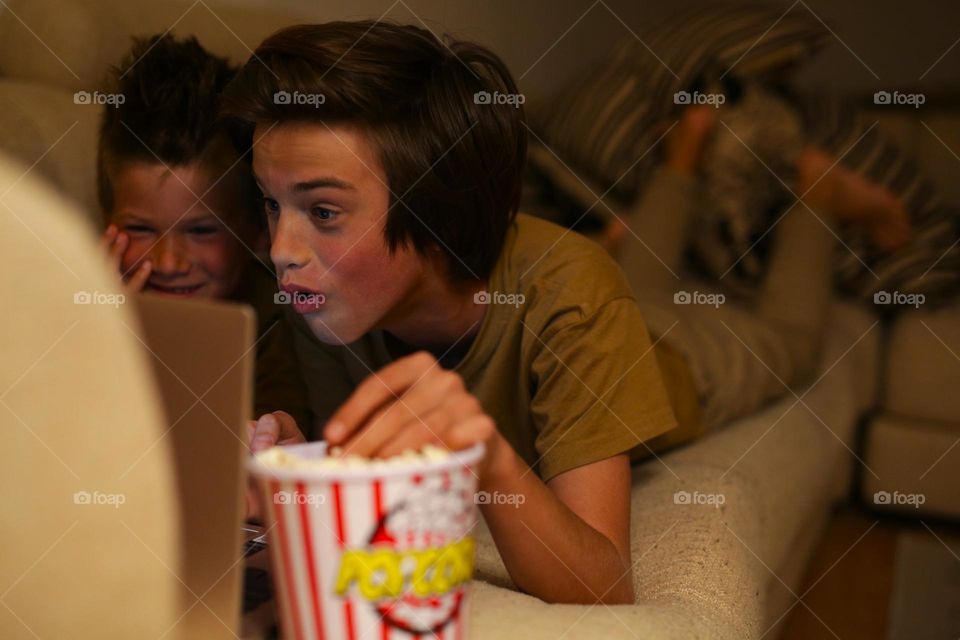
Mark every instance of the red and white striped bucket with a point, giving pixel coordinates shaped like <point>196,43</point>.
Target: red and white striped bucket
<point>381,552</point>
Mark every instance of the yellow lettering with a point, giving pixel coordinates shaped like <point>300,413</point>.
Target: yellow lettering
<point>379,573</point>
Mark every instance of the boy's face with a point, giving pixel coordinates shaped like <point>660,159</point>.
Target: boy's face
<point>192,251</point>
<point>326,200</point>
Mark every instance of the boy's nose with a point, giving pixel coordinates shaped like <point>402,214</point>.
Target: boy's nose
<point>287,247</point>
<point>169,256</point>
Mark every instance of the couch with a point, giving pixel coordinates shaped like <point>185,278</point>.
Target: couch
<point>77,405</point>
<point>702,569</point>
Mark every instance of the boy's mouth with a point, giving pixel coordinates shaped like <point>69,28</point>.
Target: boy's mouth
<point>302,299</point>
<point>184,290</point>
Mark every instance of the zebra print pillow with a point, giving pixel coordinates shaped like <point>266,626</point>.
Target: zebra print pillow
<point>603,129</point>
<point>604,126</point>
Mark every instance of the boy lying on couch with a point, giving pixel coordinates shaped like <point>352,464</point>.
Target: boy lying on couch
<point>389,165</point>
<point>390,168</point>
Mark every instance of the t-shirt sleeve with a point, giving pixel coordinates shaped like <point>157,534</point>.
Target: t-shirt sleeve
<point>598,389</point>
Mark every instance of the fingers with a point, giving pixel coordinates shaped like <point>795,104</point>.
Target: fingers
<point>114,243</point>
<point>434,389</point>
<point>109,235</point>
<point>410,403</point>
<point>476,429</point>
<point>378,430</point>
<point>266,433</point>
<point>397,431</point>
<point>384,386</point>
<point>289,432</point>
<point>138,280</point>
<point>413,435</point>
<point>271,429</point>
<point>440,429</point>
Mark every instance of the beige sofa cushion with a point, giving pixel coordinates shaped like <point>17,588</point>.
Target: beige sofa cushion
<point>71,44</point>
<point>923,365</point>
<point>708,570</point>
<point>43,128</point>
<point>917,466</point>
<point>77,408</point>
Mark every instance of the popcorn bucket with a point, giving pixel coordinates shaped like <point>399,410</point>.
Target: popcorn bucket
<point>380,551</point>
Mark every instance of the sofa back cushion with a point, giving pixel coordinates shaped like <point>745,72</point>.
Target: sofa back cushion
<point>72,43</point>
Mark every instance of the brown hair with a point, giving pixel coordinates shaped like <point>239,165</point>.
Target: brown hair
<point>453,160</point>
<point>169,113</point>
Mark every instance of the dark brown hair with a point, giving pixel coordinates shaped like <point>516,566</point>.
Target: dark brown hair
<point>452,157</point>
<point>169,112</point>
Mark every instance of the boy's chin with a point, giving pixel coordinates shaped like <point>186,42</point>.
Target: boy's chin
<point>329,330</point>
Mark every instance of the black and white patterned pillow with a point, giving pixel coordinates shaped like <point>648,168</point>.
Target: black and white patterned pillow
<point>604,125</point>
<point>601,130</point>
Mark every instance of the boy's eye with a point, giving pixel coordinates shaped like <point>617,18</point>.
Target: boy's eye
<point>203,231</point>
<point>270,205</point>
<point>137,228</point>
<point>322,213</point>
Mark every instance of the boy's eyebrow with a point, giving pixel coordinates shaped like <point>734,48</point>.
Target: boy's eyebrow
<point>316,183</point>
<point>130,216</point>
<point>321,183</point>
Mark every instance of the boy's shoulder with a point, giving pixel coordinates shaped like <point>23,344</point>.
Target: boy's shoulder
<point>559,267</point>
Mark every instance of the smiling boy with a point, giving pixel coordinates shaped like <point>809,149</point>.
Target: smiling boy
<point>391,186</point>
<point>179,205</point>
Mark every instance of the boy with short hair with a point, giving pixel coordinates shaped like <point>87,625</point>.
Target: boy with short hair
<point>179,205</point>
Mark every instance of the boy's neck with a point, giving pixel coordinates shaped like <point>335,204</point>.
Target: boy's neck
<point>438,315</point>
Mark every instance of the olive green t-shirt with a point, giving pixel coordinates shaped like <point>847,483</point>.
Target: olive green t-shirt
<point>562,360</point>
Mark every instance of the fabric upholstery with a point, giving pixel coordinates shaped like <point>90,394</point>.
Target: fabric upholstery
<point>778,470</point>
<point>910,456</point>
<point>79,413</point>
<point>922,365</point>
<point>42,126</point>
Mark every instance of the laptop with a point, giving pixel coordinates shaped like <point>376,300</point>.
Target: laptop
<point>202,354</point>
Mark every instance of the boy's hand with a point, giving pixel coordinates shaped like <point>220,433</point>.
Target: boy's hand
<point>270,429</point>
<point>114,244</point>
<point>405,405</point>
<point>277,428</point>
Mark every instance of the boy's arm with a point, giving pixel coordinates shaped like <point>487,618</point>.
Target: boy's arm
<point>567,540</point>
<point>545,541</point>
